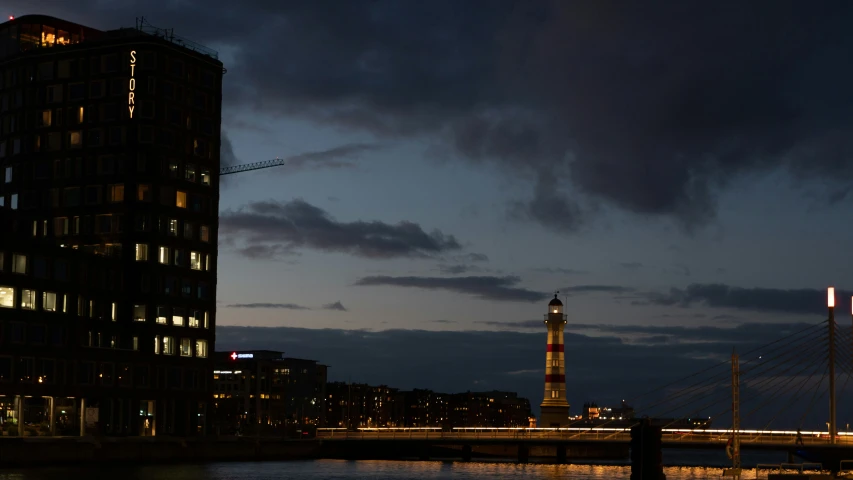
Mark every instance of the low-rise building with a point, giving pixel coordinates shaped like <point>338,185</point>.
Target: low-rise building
<point>356,405</point>
<point>264,392</point>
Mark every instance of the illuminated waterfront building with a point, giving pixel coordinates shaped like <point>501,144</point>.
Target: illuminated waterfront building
<point>555,407</point>
<point>356,405</point>
<point>109,192</point>
<point>264,392</point>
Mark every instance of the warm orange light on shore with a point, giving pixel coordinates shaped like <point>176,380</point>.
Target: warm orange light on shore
<point>830,297</point>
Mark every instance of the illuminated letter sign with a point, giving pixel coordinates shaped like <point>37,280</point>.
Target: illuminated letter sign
<point>132,84</point>
<point>235,355</point>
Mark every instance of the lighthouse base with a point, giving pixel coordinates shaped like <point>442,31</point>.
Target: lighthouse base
<point>554,416</point>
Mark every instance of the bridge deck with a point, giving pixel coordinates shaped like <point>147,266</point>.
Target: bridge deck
<point>670,438</point>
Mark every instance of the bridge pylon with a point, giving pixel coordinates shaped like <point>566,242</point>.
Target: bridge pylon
<point>733,448</point>
<point>830,303</point>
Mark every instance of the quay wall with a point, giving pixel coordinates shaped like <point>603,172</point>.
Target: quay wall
<point>25,452</point>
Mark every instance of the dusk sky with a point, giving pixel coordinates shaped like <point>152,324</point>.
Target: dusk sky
<point>681,173</point>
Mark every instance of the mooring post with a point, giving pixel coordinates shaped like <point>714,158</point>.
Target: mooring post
<point>646,458</point>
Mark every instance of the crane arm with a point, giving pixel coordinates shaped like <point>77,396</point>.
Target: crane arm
<point>247,167</point>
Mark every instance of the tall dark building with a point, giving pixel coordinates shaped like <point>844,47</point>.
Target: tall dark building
<point>109,193</point>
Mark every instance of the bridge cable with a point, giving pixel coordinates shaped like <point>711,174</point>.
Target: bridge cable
<point>765,381</point>
<point>773,395</point>
<point>726,362</point>
<point>814,396</point>
<point>795,397</point>
<point>727,391</point>
<point>790,354</point>
<point>791,338</point>
<point>764,377</point>
<point>767,366</point>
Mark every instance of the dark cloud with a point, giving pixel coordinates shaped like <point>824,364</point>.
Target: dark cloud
<point>649,109</point>
<point>561,271</point>
<point>798,301</point>
<point>457,269</point>
<point>523,324</point>
<point>581,289</point>
<point>486,288</point>
<point>471,257</point>
<point>631,265</point>
<point>287,306</point>
<point>601,368</point>
<point>329,159</point>
<point>442,321</point>
<point>271,228</point>
<point>335,306</point>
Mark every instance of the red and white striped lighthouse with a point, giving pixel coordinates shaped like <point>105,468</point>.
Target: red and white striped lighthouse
<point>555,408</point>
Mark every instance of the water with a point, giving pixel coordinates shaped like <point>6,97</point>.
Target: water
<point>394,470</point>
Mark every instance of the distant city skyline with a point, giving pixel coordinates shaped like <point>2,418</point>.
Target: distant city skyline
<point>682,177</point>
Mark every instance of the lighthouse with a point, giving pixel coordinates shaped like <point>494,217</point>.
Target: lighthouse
<point>555,408</point>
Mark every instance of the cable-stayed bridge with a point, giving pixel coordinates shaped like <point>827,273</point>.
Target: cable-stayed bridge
<point>780,395</point>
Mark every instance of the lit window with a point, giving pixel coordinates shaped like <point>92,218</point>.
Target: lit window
<point>75,138</point>
<point>206,317</point>
<point>28,299</point>
<point>48,302</point>
<point>19,264</point>
<point>173,227</point>
<point>113,312</point>
<point>164,255</point>
<point>7,297</point>
<point>205,177</point>
<point>46,117</point>
<point>181,199</point>
<point>141,252</point>
<point>195,319</point>
<point>136,343</point>
<point>139,313</point>
<point>168,346</point>
<point>116,193</point>
<point>79,114</point>
<point>178,320</point>
<point>143,193</point>
<point>185,348</point>
<point>201,348</point>
<point>156,344</point>
<point>195,260</point>
<point>204,233</point>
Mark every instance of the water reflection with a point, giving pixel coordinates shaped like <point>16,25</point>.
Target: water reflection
<point>357,470</point>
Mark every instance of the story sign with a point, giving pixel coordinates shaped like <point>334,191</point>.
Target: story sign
<point>131,88</point>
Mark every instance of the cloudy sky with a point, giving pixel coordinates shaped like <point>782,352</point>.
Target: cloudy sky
<point>678,172</point>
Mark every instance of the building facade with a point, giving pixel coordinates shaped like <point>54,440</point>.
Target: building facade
<point>489,409</point>
<point>357,405</point>
<point>109,156</point>
<point>353,405</point>
<point>264,392</point>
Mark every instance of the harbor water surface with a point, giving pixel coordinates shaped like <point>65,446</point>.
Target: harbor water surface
<point>684,465</point>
